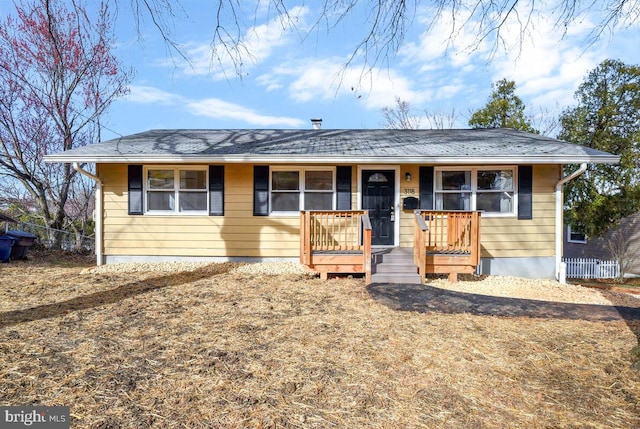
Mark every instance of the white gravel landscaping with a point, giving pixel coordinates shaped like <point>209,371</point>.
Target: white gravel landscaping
<point>262,268</point>
<point>503,286</point>
<point>536,289</point>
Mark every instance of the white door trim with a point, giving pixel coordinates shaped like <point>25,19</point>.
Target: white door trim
<point>396,194</point>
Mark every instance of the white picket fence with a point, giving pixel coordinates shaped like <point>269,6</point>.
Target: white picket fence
<point>585,268</point>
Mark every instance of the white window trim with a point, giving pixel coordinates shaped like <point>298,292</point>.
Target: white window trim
<point>176,169</point>
<point>474,186</point>
<point>569,240</point>
<point>301,177</point>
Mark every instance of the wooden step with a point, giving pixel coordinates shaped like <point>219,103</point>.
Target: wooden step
<point>394,266</point>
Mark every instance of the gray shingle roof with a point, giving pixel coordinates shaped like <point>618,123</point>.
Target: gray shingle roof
<point>344,145</point>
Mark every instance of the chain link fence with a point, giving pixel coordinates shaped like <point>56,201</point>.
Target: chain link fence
<point>51,238</point>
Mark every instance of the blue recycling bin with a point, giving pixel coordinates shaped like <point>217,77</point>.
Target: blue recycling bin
<point>23,240</point>
<point>6,244</point>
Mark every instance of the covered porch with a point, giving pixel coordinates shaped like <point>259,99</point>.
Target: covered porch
<point>339,242</point>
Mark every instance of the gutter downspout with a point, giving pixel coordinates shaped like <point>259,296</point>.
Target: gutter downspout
<point>98,217</point>
<point>560,212</point>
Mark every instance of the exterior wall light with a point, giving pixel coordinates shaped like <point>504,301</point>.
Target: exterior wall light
<point>407,176</point>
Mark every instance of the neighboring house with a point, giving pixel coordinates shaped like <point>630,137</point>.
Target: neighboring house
<point>621,241</point>
<point>574,245</point>
<point>237,194</point>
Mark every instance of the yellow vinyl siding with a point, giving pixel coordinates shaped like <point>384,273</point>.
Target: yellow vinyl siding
<point>236,234</point>
<point>407,224</point>
<point>408,189</point>
<point>240,234</point>
<point>513,237</point>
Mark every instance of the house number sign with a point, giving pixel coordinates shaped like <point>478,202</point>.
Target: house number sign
<point>408,191</point>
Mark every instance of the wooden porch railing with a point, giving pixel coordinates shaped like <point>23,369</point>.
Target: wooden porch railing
<point>446,242</point>
<point>336,241</point>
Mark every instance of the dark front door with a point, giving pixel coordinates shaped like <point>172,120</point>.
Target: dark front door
<point>378,197</point>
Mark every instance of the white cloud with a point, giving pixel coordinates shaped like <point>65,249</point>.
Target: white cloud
<point>219,109</point>
<point>445,41</point>
<point>262,39</point>
<point>151,95</point>
<point>256,45</point>
<point>270,83</point>
<point>311,79</point>
<point>209,107</point>
<point>449,91</point>
<point>383,86</point>
<point>550,65</point>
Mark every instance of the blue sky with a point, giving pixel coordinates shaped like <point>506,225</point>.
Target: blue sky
<point>297,74</point>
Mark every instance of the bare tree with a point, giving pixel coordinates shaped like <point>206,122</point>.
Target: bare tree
<point>57,77</point>
<point>400,117</point>
<point>441,120</point>
<point>623,245</point>
<point>546,122</point>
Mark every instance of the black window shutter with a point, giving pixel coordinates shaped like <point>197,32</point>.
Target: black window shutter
<point>426,188</point>
<point>525,192</point>
<point>343,187</point>
<point>134,177</point>
<point>216,190</point>
<point>261,190</point>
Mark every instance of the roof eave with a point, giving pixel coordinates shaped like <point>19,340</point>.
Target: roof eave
<point>341,159</point>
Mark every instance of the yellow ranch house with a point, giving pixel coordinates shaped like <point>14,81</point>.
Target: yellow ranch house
<point>393,205</point>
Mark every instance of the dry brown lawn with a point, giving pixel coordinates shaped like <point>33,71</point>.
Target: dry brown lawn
<point>220,348</point>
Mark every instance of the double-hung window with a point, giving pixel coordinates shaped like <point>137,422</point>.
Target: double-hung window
<point>495,191</point>
<point>176,190</point>
<point>491,190</point>
<point>453,190</point>
<point>295,189</point>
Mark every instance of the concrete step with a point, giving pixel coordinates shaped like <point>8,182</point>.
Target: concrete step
<point>395,278</point>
